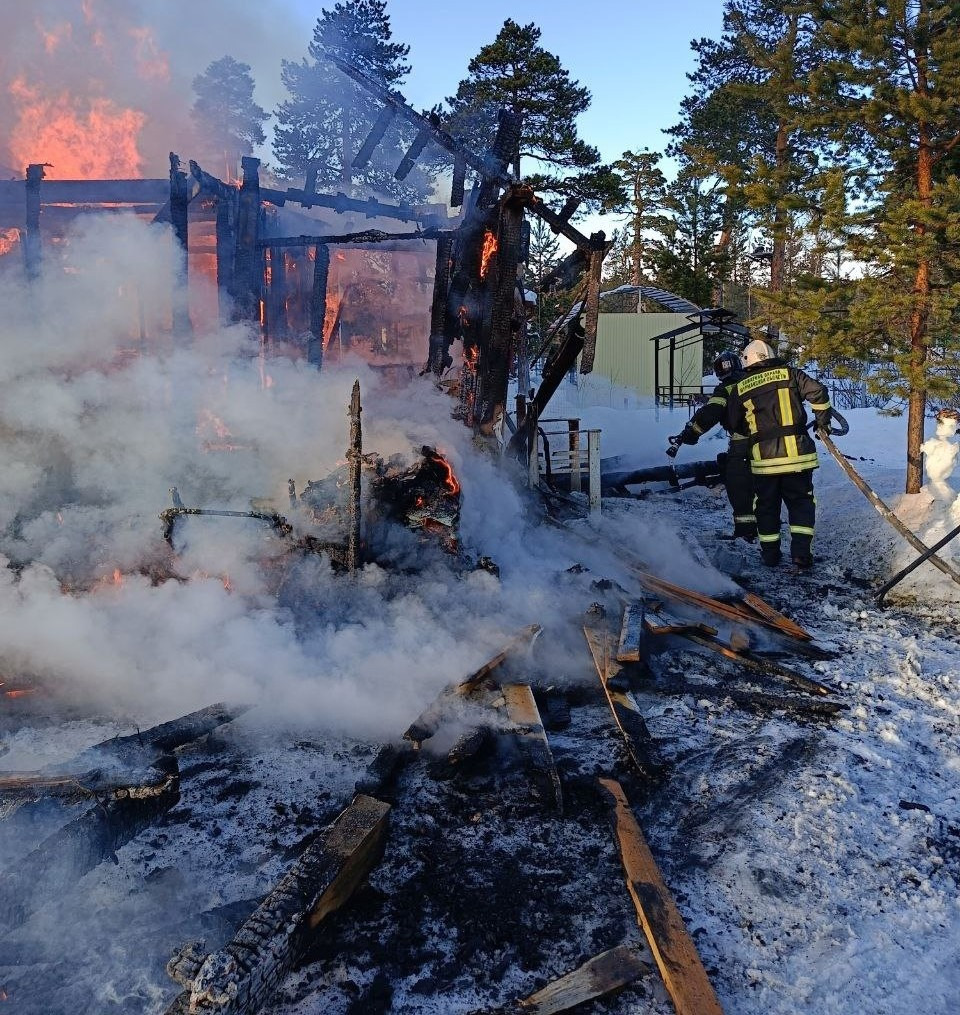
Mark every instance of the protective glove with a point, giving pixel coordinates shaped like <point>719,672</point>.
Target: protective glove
<point>822,419</point>
<point>688,435</point>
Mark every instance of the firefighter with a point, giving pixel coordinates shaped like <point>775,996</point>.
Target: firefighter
<point>766,403</point>
<point>735,464</point>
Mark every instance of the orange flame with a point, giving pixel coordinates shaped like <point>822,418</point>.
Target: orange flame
<point>450,481</point>
<point>117,576</point>
<point>82,138</point>
<point>490,247</point>
<point>8,238</point>
<point>20,692</point>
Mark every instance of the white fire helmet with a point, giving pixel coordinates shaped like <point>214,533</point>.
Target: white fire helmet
<point>756,352</point>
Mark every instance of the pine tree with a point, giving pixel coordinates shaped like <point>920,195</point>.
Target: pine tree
<point>325,120</point>
<point>646,187</point>
<point>515,72</point>
<point>744,120</point>
<point>229,123</point>
<point>686,261</point>
<point>543,257</point>
<point>890,98</point>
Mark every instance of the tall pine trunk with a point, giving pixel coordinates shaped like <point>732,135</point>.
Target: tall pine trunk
<point>917,405</point>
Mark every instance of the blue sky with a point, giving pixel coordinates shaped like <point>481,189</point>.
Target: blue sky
<point>633,55</point>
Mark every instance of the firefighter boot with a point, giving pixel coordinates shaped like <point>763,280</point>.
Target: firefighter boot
<point>800,551</point>
<point>746,531</point>
<point>770,551</point>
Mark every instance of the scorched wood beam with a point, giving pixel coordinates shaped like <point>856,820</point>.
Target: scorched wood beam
<point>365,236</point>
<point>318,304</point>
<point>343,204</point>
<point>32,249</point>
<point>241,977</point>
<point>248,277</point>
<point>179,208</point>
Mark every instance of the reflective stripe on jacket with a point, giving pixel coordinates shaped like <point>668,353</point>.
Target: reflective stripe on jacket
<point>767,403</point>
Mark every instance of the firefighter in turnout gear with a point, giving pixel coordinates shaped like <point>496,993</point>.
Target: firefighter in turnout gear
<point>766,403</point>
<point>735,463</point>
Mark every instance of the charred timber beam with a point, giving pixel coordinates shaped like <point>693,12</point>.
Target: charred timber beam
<point>51,869</point>
<point>459,181</point>
<point>559,225</point>
<point>32,250</point>
<point>591,301</point>
<point>226,233</point>
<point>487,166</point>
<point>341,203</point>
<point>275,298</point>
<point>208,183</point>
<point>355,462</point>
<point>363,237</point>
<point>179,214</point>
<point>506,143</point>
<point>318,305</point>
<point>495,364</point>
<point>153,192</point>
<point>439,356</point>
<point>673,949</point>
<point>241,977</point>
<point>249,260</point>
<point>414,152</point>
<point>623,705</point>
<point>374,137</point>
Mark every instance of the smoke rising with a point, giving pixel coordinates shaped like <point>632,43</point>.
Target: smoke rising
<point>98,426</point>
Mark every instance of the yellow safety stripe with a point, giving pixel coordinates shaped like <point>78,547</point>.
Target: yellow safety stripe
<point>786,419</point>
<point>802,530</point>
<point>693,426</point>
<point>751,416</point>
<point>818,407</point>
<point>739,437</point>
<point>774,466</point>
<point>717,400</point>
<point>769,539</point>
<point>766,377</point>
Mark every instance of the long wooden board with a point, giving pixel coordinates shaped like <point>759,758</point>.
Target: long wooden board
<point>631,633</point>
<point>623,705</point>
<point>763,609</point>
<point>673,949</point>
<point>726,610</point>
<point>603,974</point>
<point>523,712</point>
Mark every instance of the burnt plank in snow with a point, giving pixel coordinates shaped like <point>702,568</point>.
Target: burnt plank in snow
<point>242,976</point>
<point>623,705</point>
<point>523,712</point>
<point>429,720</point>
<point>603,974</point>
<point>673,949</point>
<point>631,633</point>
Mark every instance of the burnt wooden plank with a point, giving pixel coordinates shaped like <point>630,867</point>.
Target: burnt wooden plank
<point>373,138</point>
<point>603,974</point>
<point>673,949</point>
<point>726,610</point>
<point>759,665</point>
<point>763,609</point>
<point>758,702</point>
<point>243,975</point>
<point>623,705</point>
<point>426,724</point>
<point>631,633</point>
<point>528,728</point>
<point>89,192</point>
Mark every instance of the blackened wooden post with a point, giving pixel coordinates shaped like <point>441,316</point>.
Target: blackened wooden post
<point>495,359</point>
<point>32,249</point>
<point>276,295</point>
<point>439,357</point>
<point>249,260</point>
<point>354,460</point>
<point>591,303</point>
<point>179,206</point>
<point>318,305</point>
<point>226,251</point>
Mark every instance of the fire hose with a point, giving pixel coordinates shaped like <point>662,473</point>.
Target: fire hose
<point>926,552</point>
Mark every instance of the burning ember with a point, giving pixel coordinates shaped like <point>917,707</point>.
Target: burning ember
<point>8,238</point>
<point>490,246</point>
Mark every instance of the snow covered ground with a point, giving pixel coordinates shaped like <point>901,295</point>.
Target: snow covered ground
<point>816,864</point>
